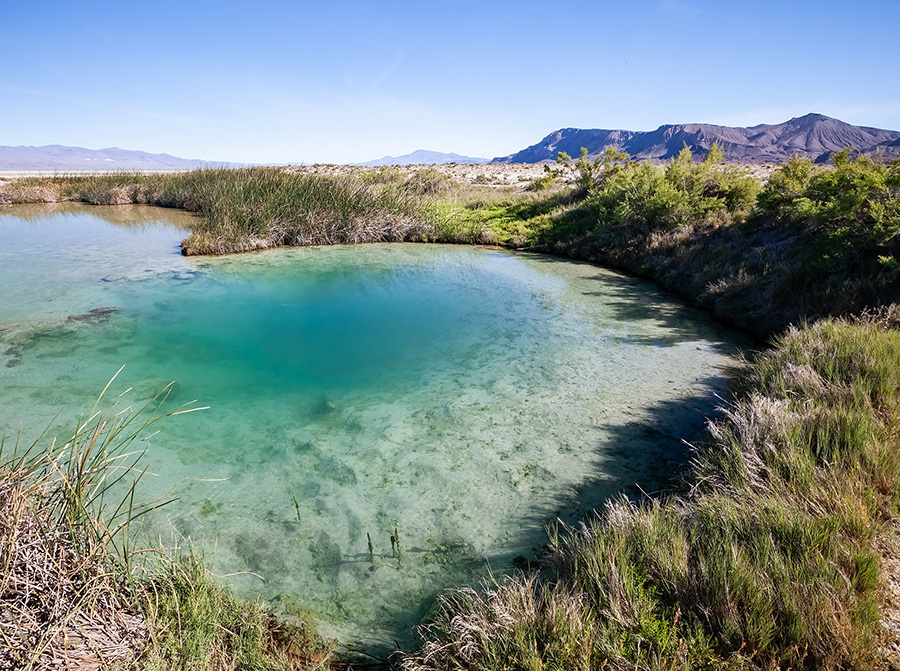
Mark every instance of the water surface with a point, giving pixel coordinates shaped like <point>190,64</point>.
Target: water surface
<point>454,398</point>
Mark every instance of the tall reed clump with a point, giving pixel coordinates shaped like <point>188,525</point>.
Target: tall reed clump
<point>769,559</point>
<point>73,595</point>
<point>259,208</point>
<point>64,556</point>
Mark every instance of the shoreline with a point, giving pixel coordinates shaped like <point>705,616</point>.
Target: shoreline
<point>766,275</point>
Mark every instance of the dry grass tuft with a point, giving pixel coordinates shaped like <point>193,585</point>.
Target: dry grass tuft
<point>66,599</point>
<point>65,588</point>
<point>75,594</point>
<point>62,604</point>
<point>23,192</point>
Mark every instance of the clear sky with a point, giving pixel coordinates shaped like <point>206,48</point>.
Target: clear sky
<point>341,81</point>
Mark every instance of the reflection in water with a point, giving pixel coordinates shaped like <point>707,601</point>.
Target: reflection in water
<point>444,402</point>
<point>128,216</point>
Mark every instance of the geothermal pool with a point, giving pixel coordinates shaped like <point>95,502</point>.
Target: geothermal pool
<point>459,398</point>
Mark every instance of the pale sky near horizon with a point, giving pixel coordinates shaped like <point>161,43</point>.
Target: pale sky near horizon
<point>277,81</point>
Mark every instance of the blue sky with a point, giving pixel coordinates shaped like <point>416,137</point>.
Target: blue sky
<point>341,81</point>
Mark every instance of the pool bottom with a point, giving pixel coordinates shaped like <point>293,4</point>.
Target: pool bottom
<point>455,399</point>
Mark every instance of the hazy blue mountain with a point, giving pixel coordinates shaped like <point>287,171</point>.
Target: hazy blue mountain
<point>813,136</point>
<point>56,157</point>
<point>422,157</point>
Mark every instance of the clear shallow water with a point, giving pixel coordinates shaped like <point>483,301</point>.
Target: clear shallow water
<point>458,397</point>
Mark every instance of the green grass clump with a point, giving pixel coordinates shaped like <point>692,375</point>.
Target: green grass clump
<point>259,208</point>
<point>195,623</point>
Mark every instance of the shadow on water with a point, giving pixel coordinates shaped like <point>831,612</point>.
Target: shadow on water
<point>642,457</point>
<point>646,456</point>
<point>639,458</point>
<point>630,299</point>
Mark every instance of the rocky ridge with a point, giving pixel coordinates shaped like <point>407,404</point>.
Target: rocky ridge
<point>813,136</point>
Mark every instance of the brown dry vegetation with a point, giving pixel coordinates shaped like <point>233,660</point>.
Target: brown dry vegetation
<point>63,606</point>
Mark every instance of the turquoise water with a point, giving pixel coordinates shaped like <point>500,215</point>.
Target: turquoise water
<point>458,398</point>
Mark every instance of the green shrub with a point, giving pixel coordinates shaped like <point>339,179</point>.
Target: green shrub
<point>640,194</point>
<point>856,203</point>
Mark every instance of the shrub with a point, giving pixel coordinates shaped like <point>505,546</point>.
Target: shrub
<point>858,202</point>
<point>642,194</point>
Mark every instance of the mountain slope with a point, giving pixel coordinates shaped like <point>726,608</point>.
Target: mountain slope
<point>814,136</point>
<point>422,157</point>
<point>58,157</point>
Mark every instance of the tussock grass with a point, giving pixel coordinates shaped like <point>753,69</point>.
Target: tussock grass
<point>198,624</point>
<point>64,558</point>
<point>74,591</point>
<point>255,209</point>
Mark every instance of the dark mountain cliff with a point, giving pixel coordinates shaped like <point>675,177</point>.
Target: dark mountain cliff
<point>813,136</point>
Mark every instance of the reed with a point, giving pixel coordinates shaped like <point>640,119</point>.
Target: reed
<point>255,209</point>
<point>66,544</point>
<point>78,591</point>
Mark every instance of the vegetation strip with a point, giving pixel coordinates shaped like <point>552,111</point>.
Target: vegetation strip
<point>772,554</point>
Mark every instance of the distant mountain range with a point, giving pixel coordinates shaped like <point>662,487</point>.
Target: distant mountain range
<point>422,157</point>
<point>813,136</point>
<point>56,157</point>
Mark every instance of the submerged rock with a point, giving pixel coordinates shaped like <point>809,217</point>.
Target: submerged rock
<point>95,316</point>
